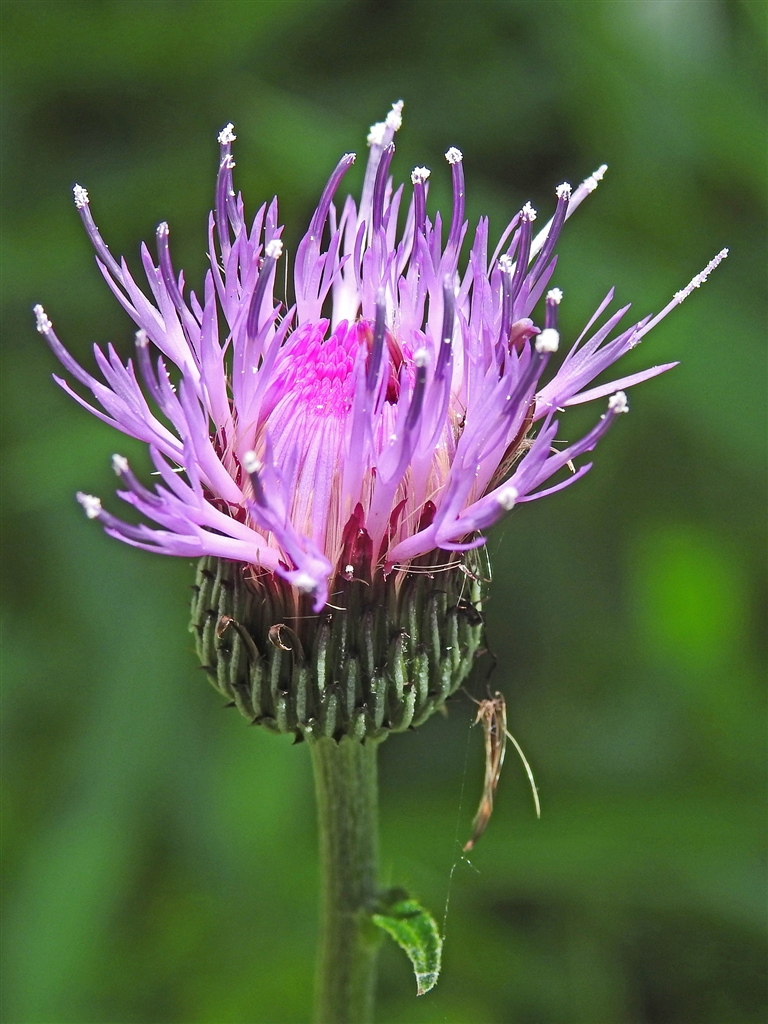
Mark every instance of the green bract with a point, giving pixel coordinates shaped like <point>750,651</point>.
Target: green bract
<point>381,657</point>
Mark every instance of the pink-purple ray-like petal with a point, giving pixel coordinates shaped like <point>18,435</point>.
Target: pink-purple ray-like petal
<point>408,410</point>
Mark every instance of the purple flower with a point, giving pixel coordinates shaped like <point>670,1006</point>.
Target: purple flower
<point>410,417</point>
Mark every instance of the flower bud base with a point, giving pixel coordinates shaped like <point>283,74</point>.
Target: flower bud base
<point>381,658</point>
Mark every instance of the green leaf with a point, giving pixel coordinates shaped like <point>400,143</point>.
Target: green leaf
<point>414,929</point>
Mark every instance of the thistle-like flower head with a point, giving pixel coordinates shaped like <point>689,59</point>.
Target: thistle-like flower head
<point>400,403</point>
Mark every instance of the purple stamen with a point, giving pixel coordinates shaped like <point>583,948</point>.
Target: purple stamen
<point>166,269</point>
<point>417,398</point>
<point>146,369</point>
<point>380,185</point>
<point>321,213</point>
<point>252,467</point>
<point>554,298</point>
<point>455,159</point>
<point>519,397</point>
<point>449,316</point>
<point>561,212</point>
<point>83,204</point>
<point>419,177</point>
<point>273,252</point>
<point>527,216</point>
<point>226,138</point>
<point>377,349</point>
<point>222,189</point>
<point>505,266</point>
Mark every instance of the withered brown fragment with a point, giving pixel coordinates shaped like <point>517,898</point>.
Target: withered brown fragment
<point>492,713</point>
<point>285,638</point>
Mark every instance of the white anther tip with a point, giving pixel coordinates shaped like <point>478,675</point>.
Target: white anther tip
<point>227,134</point>
<point>454,156</point>
<point>528,212</point>
<point>119,464</point>
<point>420,358</point>
<point>395,116</point>
<point>591,183</point>
<point>42,323</point>
<point>507,497</point>
<point>618,403</point>
<point>81,196</point>
<point>350,157</point>
<point>274,249</point>
<point>505,264</point>
<point>162,229</point>
<point>251,462</point>
<point>555,295</point>
<point>419,175</point>
<point>304,582</point>
<point>548,340</point>
<point>563,191</point>
<point>376,133</point>
<point>699,279</point>
<point>91,505</point>
<point>142,338</point>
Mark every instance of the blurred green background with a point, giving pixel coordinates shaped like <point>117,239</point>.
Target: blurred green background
<point>159,856</point>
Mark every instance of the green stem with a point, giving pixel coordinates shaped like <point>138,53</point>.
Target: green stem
<point>345,782</point>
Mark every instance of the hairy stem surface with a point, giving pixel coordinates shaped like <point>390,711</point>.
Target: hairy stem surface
<point>347,804</point>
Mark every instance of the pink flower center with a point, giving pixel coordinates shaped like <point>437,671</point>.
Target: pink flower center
<point>305,414</point>
<point>316,375</point>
